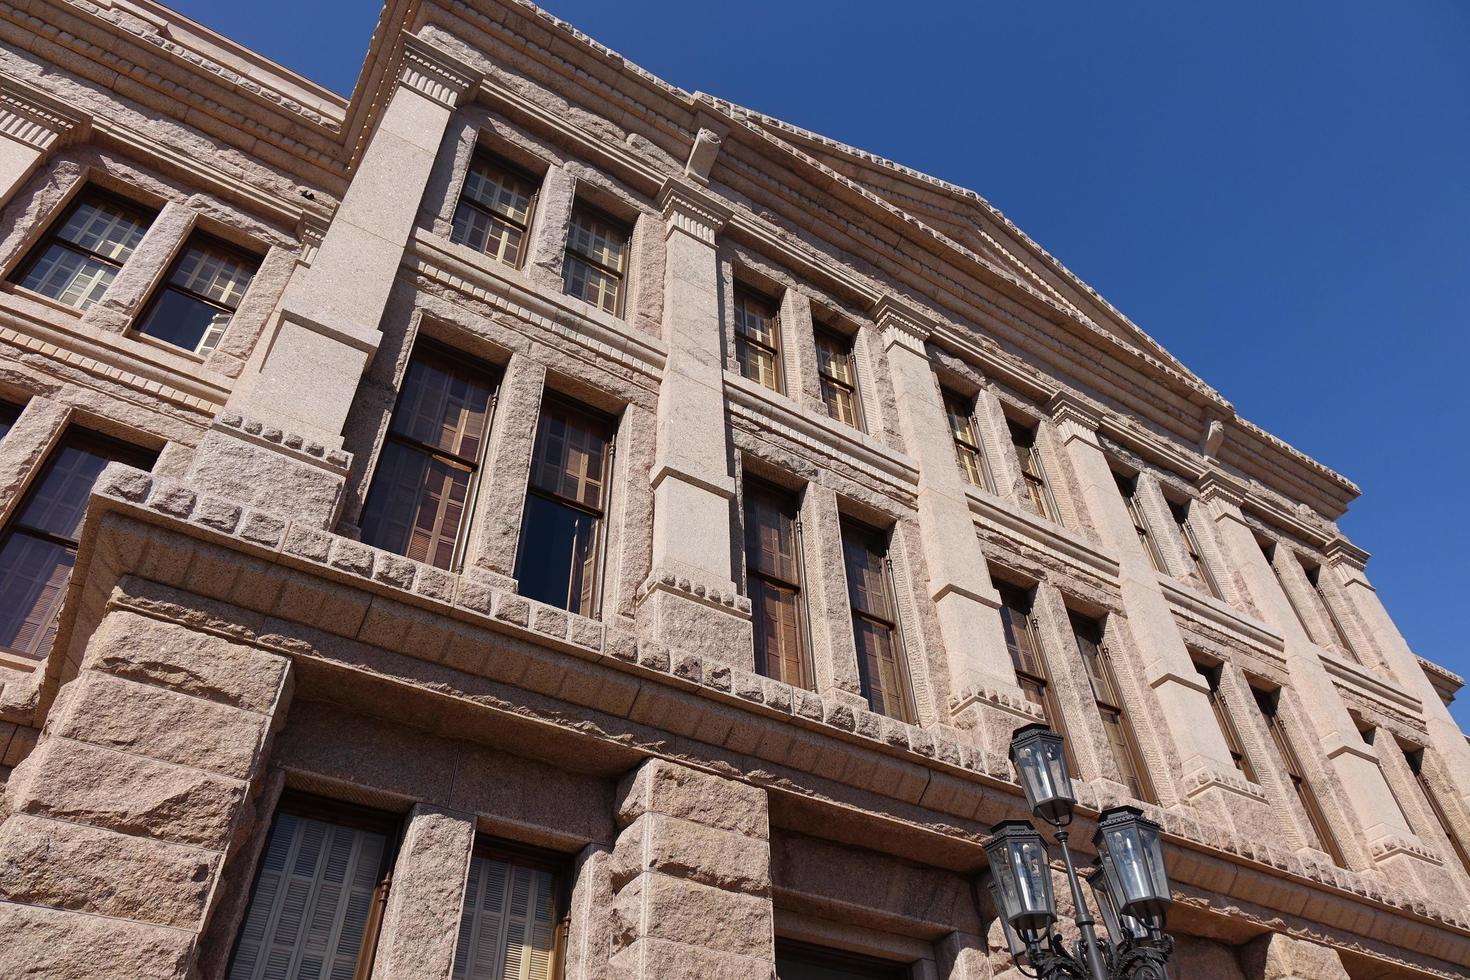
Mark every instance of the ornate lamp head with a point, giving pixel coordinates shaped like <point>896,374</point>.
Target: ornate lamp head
<point>1132,857</point>
<point>1041,764</point>
<point>1022,874</point>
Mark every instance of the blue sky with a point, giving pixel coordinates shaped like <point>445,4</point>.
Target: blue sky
<point>1276,191</point>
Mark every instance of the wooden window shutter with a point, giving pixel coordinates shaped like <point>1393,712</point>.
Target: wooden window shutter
<point>507,929</point>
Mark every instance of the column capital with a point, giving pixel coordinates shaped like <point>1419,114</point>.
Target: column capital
<point>691,209</point>
<point>1217,486</point>
<point>435,73</point>
<point>1075,418</point>
<point>901,322</point>
<point>1340,551</point>
<point>29,115</point>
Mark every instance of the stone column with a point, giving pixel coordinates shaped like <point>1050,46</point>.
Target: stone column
<point>690,599</point>
<point>1349,564</point>
<point>421,924</point>
<point>119,822</point>
<point>299,387</point>
<point>1354,761</point>
<point>691,877</point>
<point>32,125</point>
<point>959,582</point>
<point>1182,693</point>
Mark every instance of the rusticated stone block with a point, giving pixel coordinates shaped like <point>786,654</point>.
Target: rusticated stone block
<point>150,721</point>
<point>684,849</point>
<point>661,907</point>
<point>170,655</point>
<point>56,945</point>
<point>664,787</point>
<point>130,794</point>
<point>1278,957</point>
<point>428,892</point>
<point>87,869</point>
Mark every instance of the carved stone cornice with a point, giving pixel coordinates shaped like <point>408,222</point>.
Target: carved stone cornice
<point>30,116</point>
<point>1342,552</point>
<point>435,73</point>
<point>690,209</point>
<point>901,322</point>
<point>1074,417</point>
<point>1216,486</point>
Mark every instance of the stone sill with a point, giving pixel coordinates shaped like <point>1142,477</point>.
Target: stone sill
<point>1184,600</point>
<point>974,787</point>
<point>1023,527</point>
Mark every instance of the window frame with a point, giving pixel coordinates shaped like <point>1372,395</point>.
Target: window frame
<point>753,487</point>
<point>122,451</point>
<point>743,294</point>
<point>566,403</point>
<point>87,191</point>
<point>1269,705</point>
<point>483,154</point>
<point>854,964</point>
<point>166,283</point>
<point>1182,512</point>
<point>1021,600</point>
<point>598,214</point>
<point>846,346</point>
<point>1024,438</point>
<point>431,349</point>
<point>1344,645</point>
<point>528,856</point>
<point>1414,759</point>
<point>967,445</point>
<point>1128,490</point>
<point>1214,679</point>
<point>906,700</point>
<point>327,810</point>
<point>1111,700</point>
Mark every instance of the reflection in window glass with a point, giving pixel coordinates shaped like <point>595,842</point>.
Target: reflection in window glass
<point>200,295</point>
<point>594,267</point>
<point>494,210</point>
<point>81,256</point>
<point>882,671</point>
<point>757,339</point>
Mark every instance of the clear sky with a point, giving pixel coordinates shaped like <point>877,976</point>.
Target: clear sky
<point>1275,191</point>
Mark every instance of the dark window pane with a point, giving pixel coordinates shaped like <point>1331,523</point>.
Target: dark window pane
<point>558,555</point>
<point>180,319</point>
<point>881,668</point>
<point>866,586</point>
<point>39,546</point>
<point>757,339</point>
<point>571,455</point>
<point>779,653</point>
<point>444,406</point>
<point>8,415</point>
<point>770,534</point>
<point>81,255</point>
<point>798,961</point>
<point>494,210</point>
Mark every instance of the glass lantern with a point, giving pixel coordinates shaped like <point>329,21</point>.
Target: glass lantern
<point>1120,927</point>
<point>1041,764</point>
<point>1022,874</point>
<point>1132,857</point>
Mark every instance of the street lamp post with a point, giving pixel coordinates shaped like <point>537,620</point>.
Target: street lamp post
<point>1129,881</point>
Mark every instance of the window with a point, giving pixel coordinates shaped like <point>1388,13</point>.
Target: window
<point>38,548</point>
<point>8,414</point>
<point>882,671</point>
<point>509,924</point>
<point>973,464</point>
<point>800,961</point>
<point>595,266</point>
<point>1191,546</point>
<point>81,255</point>
<point>315,908</point>
<point>837,374</point>
<point>1339,634</point>
<point>422,488</point>
<point>774,567</point>
<point>1128,489</point>
<point>1415,759</point>
<point>757,338</point>
<point>1267,702</point>
<point>1212,676</point>
<point>200,295</point>
<point>1024,646</point>
<point>561,537</point>
<point>1121,737</point>
<point>494,209</point>
<point>1038,493</point>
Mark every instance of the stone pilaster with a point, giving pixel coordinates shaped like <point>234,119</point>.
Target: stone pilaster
<point>689,599</point>
<point>1349,565</point>
<point>118,824</point>
<point>1355,762</point>
<point>421,923</point>
<point>307,368</point>
<point>690,875</point>
<point>981,674</point>
<point>497,517</point>
<point>1182,694</point>
<point>32,125</point>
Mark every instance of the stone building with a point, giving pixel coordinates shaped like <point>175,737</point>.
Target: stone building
<point>529,520</point>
